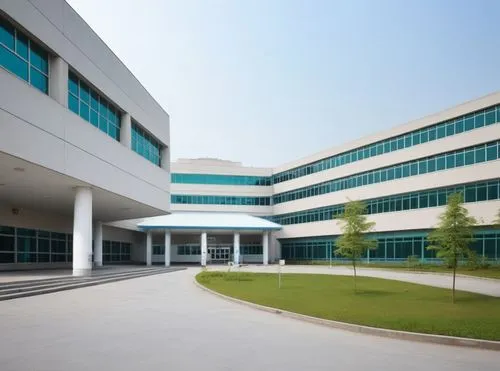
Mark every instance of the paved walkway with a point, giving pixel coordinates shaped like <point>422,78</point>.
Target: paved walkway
<point>482,286</point>
<point>165,322</point>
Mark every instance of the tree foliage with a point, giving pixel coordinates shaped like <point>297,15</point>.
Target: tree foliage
<point>353,242</point>
<point>453,234</point>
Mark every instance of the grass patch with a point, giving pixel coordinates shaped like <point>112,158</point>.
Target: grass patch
<point>378,302</point>
<point>492,271</point>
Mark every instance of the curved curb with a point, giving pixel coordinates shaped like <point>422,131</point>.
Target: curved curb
<point>393,334</point>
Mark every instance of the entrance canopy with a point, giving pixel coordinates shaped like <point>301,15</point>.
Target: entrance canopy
<point>208,221</point>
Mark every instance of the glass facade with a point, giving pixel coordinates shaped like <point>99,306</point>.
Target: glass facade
<point>478,119</point>
<point>221,179</point>
<point>220,200</point>
<point>251,249</point>
<point>92,107</point>
<point>23,57</point>
<point>473,192</point>
<point>189,249</point>
<point>115,251</point>
<point>22,245</point>
<point>390,247</point>
<point>145,144</point>
<point>463,157</point>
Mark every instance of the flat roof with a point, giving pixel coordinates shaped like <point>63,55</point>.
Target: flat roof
<point>208,221</point>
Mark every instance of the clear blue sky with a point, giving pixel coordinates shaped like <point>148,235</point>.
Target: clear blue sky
<point>265,81</point>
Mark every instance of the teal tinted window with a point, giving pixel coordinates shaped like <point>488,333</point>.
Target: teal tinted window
<point>92,107</point>
<point>491,152</point>
<point>441,162</point>
<point>452,127</point>
<point>23,57</point>
<point>145,144</point>
<point>220,179</point>
<point>423,199</point>
<point>220,200</point>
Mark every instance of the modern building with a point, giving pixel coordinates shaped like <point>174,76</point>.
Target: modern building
<point>86,178</point>
<point>404,175</point>
<point>82,143</point>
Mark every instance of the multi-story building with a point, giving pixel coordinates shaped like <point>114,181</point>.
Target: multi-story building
<point>404,175</point>
<point>82,143</point>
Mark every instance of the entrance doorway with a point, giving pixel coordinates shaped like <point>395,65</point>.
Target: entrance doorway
<point>219,254</point>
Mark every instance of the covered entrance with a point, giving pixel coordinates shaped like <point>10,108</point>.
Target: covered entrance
<point>207,238</point>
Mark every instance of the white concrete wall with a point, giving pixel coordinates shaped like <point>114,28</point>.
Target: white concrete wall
<point>434,118</point>
<point>395,221</point>
<point>38,129</point>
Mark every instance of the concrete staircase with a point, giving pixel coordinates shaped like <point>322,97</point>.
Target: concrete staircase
<point>21,289</point>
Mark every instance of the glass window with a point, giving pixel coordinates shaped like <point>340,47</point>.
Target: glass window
<point>440,163</point>
<point>480,154</point>
<point>450,129</point>
<point>493,191</point>
<point>408,141</point>
<point>459,159</point>
<point>416,138</point>
<point>491,152</point>
<point>469,157</point>
<point>481,193</point>
<point>406,170</point>
<point>469,123</point>
<point>490,117</point>
<point>459,126</point>
<point>441,131</point>
<point>423,200</point>
<point>424,136</point>
<point>470,194</point>
<point>431,165</point>
<point>422,167</point>
<point>479,120</point>
<point>450,161</point>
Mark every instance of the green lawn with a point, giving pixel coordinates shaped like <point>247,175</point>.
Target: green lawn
<point>490,272</point>
<point>378,302</point>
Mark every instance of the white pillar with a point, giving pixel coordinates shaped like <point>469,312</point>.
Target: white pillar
<point>204,249</point>
<point>82,232</point>
<point>165,158</point>
<point>126,130</point>
<point>265,248</point>
<point>167,248</point>
<point>236,248</point>
<point>98,244</point>
<point>149,248</point>
<point>58,81</point>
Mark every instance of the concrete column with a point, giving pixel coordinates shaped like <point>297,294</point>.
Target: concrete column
<point>82,232</point>
<point>265,248</point>
<point>126,130</point>
<point>236,248</point>
<point>165,158</point>
<point>149,248</point>
<point>167,248</point>
<point>204,249</point>
<point>58,81</point>
<point>98,244</point>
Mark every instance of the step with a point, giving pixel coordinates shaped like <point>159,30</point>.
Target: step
<point>21,286</point>
<point>95,273</point>
<point>84,283</point>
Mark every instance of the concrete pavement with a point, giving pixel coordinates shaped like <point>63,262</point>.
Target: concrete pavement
<point>487,287</point>
<point>166,322</point>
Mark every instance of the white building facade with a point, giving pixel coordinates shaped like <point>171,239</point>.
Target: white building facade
<point>82,143</point>
<point>404,175</point>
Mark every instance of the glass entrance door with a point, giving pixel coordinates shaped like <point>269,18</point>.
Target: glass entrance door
<point>219,254</point>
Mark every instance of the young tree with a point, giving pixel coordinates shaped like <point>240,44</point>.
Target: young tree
<point>353,243</point>
<point>453,235</point>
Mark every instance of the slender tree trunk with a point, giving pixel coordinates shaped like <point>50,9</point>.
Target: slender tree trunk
<point>354,266</point>
<point>454,274</point>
